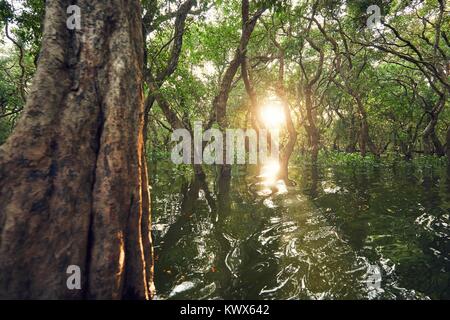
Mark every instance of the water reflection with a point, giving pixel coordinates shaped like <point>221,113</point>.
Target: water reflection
<point>270,171</point>
<point>240,238</point>
<point>270,178</point>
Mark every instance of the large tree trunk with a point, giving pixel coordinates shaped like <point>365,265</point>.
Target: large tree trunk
<point>73,180</point>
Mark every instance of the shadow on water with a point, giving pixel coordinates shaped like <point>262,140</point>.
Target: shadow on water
<point>242,238</point>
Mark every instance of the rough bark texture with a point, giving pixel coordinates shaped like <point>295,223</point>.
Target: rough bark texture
<point>73,184</point>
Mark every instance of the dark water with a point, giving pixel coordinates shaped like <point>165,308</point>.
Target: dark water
<point>339,233</point>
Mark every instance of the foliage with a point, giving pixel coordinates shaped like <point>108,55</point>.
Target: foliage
<point>355,160</point>
<point>393,79</point>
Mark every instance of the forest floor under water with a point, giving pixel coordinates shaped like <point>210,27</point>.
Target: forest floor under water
<point>321,238</point>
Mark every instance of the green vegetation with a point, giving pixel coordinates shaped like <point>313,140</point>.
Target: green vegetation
<point>359,90</point>
<point>374,91</point>
<point>387,160</point>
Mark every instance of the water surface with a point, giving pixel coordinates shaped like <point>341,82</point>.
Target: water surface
<point>333,235</point>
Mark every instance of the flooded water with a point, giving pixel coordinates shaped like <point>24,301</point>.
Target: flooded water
<point>338,233</point>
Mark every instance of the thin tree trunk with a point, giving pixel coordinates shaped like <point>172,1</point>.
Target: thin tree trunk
<point>431,141</point>
<point>312,128</point>
<point>351,147</point>
<point>432,144</point>
<point>364,139</point>
<point>73,179</point>
<point>221,100</point>
<point>448,145</point>
<point>155,82</point>
<point>292,133</point>
<point>289,149</point>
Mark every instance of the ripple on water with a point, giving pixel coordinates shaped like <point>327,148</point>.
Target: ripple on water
<point>318,241</point>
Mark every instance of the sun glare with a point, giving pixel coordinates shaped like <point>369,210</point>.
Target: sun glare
<point>270,172</point>
<point>272,114</point>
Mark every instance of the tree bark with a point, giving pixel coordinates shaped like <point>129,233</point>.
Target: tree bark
<point>352,136</point>
<point>431,142</point>
<point>73,176</point>
<point>309,90</point>
<point>313,132</point>
<point>448,145</point>
<point>288,149</point>
<point>156,82</point>
<point>220,101</point>
<point>364,138</point>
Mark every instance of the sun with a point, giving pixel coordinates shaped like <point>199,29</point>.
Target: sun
<point>272,114</point>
